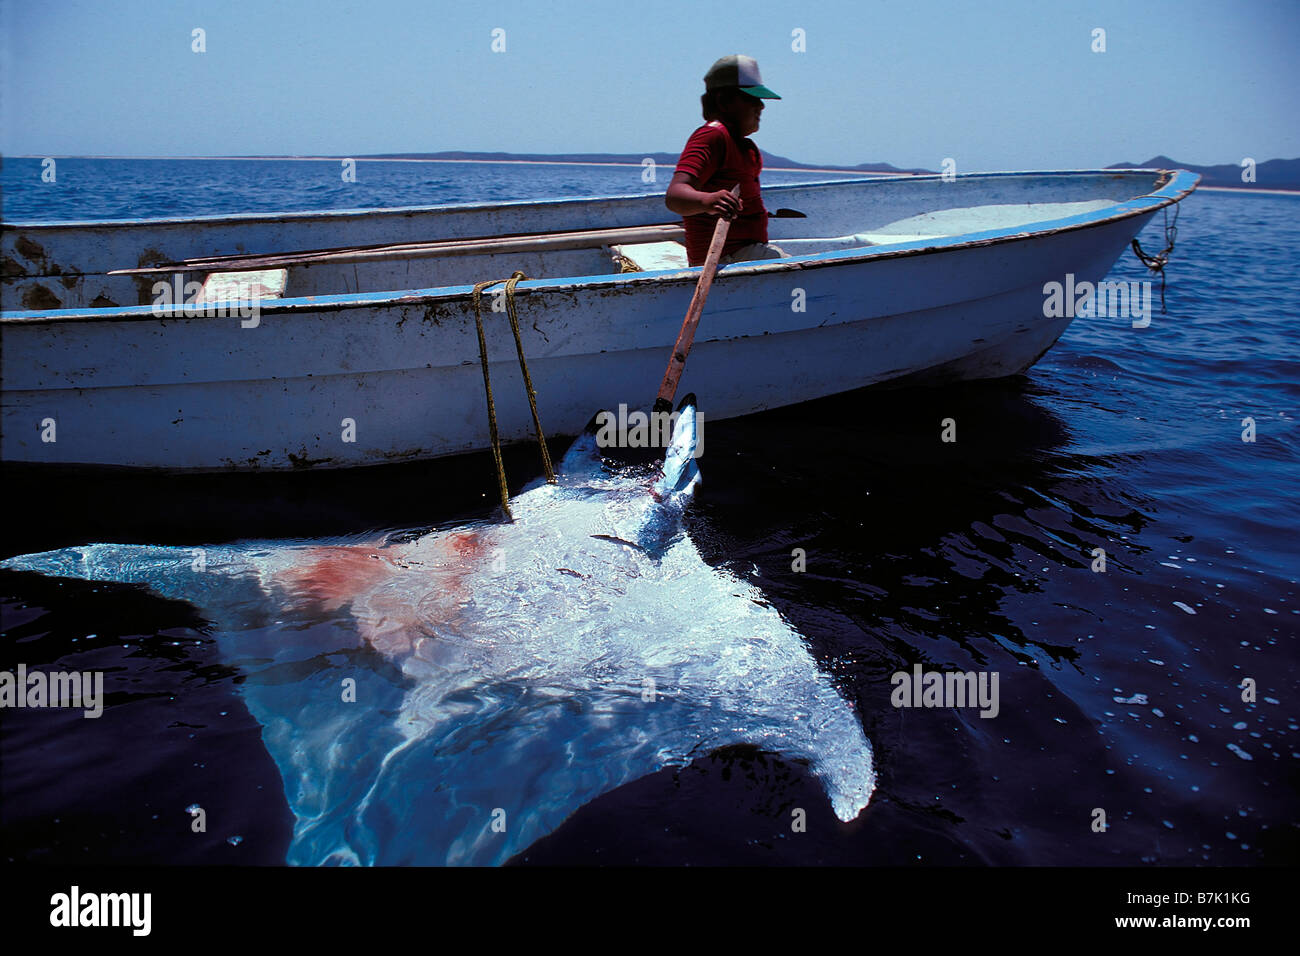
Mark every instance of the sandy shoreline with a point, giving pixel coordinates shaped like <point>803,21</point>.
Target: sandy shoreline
<point>1247,189</point>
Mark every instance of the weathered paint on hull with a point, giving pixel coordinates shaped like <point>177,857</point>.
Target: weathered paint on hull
<point>47,266</point>
<point>276,396</point>
<point>135,387</point>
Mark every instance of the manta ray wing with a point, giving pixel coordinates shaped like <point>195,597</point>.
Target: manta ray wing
<point>454,697</point>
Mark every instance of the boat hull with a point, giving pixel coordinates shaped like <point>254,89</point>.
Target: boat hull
<point>346,381</point>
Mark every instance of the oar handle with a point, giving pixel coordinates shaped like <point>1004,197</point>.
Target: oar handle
<point>677,362</point>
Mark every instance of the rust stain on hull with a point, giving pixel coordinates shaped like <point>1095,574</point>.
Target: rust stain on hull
<point>301,461</point>
<point>37,298</point>
<point>31,250</point>
<point>144,284</point>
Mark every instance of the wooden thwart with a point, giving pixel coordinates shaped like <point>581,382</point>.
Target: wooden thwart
<point>533,242</point>
<point>243,286</point>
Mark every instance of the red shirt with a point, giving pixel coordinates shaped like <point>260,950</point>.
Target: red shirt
<point>716,162</point>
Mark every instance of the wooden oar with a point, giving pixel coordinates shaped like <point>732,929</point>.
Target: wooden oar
<point>524,242</point>
<point>529,242</point>
<point>677,362</point>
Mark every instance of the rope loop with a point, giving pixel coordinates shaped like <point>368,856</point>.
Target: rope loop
<point>1158,262</point>
<point>493,433</point>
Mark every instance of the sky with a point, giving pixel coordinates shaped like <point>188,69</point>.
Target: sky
<point>995,84</point>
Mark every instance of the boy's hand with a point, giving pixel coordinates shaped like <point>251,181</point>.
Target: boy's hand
<point>723,204</point>
<point>685,199</point>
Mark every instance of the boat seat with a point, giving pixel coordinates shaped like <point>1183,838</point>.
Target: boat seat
<point>654,256</point>
<point>244,286</point>
<point>889,238</point>
<point>649,256</point>
<point>968,219</point>
<point>806,247</point>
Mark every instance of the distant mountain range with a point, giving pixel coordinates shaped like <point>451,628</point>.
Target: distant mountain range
<point>661,159</point>
<point>1270,174</point>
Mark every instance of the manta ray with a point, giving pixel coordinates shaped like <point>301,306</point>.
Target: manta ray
<point>450,697</point>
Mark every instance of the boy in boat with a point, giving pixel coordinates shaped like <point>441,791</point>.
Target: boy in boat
<point>719,155</point>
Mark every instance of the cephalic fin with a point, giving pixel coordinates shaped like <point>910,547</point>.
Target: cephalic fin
<point>679,468</point>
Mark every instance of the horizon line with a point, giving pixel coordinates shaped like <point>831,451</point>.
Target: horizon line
<point>434,158</point>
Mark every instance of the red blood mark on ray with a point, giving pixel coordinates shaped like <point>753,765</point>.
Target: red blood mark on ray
<point>333,576</point>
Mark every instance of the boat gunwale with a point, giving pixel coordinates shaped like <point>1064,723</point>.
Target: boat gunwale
<point>1179,184</point>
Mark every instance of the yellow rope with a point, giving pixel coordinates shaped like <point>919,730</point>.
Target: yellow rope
<point>528,381</point>
<point>502,488</point>
<point>492,409</point>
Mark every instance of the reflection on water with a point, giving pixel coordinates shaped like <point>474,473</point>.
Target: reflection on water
<point>1119,690</point>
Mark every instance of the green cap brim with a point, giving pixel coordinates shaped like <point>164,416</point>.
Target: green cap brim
<point>762,92</point>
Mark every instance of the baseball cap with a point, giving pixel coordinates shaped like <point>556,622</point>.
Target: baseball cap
<point>738,70</point>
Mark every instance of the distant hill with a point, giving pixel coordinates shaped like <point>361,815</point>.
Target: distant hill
<point>659,158</point>
<point>770,160</point>
<point>1270,174</point>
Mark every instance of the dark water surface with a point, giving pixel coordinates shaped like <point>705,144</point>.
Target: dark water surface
<point>136,189</point>
<point>1119,690</point>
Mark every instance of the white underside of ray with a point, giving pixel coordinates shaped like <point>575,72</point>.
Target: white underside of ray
<point>529,669</point>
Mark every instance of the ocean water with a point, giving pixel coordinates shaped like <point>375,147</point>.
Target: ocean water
<point>138,189</point>
<point>1119,691</point>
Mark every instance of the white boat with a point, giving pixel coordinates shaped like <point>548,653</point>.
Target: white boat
<point>369,354</point>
